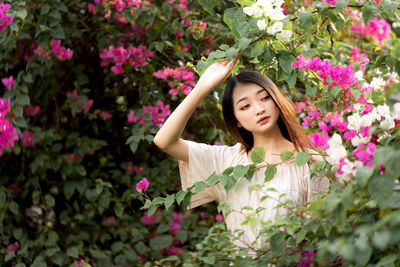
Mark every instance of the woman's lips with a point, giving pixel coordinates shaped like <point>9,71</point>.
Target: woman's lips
<point>263,120</point>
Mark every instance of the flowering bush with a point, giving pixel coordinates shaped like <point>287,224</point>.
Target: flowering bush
<point>86,85</point>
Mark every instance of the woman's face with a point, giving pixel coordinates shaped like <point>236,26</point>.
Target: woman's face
<point>254,108</point>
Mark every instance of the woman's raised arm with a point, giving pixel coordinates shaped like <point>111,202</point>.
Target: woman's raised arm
<point>168,137</point>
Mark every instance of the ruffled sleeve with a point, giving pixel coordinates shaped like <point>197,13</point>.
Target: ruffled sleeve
<point>203,161</point>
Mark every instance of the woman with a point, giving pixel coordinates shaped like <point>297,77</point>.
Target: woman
<point>256,114</point>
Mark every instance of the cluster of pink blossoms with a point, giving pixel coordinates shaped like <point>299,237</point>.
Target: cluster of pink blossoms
<point>61,52</point>
<point>116,7</point>
<point>158,114</point>
<point>181,79</point>
<point>75,98</point>
<point>133,169</point>
<point>4,19</point>
<point>8,134</point>
<point>8,82</point>
<point>135,56</point>
<point>377,29</point>
<point>343,77</point>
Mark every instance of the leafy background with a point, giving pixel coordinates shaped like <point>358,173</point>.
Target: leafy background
<point>68,185</point>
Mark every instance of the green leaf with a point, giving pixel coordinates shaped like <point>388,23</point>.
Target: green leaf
<point>73,252</point>
<point>160,242</point>
<point>362,176</point>
<point>213,179</point>
<point>169,200</point>
<point>44,9</point>
<point>50,201</point>
<point>231,53</point>
<point>257,154</point>
<point>228,182</point>
<point>55,14</point>
<point>117,246</point>
<point>387,261</point>
<point>285,62</point>
<point>69,188</point>
<point>341,5</point>
<point>287,155</point>
<point>389,7</point>
<point>236,21</point>
<point>392,165</point>
<point>151,210</point>
<point>380,187</point>
<point>21,13</point>
<point>270,173</point>
<point>381,239</point>
<point>14,207</point>
<point>200,186</point>
<point>239,171</point>
<point>119,209</point>
<point>302,158</point>
<point>369,12</point>
<point>207,5</point>
<point>257,49</point>
<point>186,200</point>
<point>179,196</point>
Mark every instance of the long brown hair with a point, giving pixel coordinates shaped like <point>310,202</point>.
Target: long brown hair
<point>287,122</point>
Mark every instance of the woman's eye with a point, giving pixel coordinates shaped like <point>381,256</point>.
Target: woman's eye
<point>266,97</point>
<point>245,107</point>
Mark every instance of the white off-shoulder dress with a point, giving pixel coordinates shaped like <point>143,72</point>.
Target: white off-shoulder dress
<point>291,180</point>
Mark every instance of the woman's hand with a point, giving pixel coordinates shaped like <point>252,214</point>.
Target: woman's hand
<point>216,73</point>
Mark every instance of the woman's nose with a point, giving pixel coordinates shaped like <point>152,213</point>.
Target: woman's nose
<point>259,109</point>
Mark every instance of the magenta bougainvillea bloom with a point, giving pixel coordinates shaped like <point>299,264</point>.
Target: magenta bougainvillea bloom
<point>4,20</point>
<point>8,82</point>
<point>142,185</point>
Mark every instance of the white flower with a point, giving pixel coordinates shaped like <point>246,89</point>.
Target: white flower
<point>387,123</point>
<point>359,75</point>
<point>378,83</point>
<point>354,122</point>
<point>396,24</point>
<point>261,25</point>
<point>253,11</point>
<point>336,150</point>
<point>276,14</point>
<point>348,169</point>
<point>357,140</point>
<point>396,111</point>
<point>277,27</point>
<point>284,36</point>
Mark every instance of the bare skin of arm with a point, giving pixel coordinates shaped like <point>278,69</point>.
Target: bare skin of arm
<point>168,137</point>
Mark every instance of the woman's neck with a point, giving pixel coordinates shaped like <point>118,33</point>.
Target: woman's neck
<point>273,141</point>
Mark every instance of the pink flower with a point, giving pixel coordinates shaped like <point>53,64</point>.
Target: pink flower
<point>299,106</point>
<point>32,110</point>
<point>118,69</point>
<point>92,8</point>
<point>219,217</point>
<point>173,250</point>
<point>27,138</point>
<point>142,185</point>
<point>78,263</point>
<point>105,115</point>
<point>177,217</point>
<point>174,227</point>
<point>178,34</point>
<point>110,221</point>
<point>88,105</point>
<point>320,141</point>
<point>148,220</point>
<point>8,82</point>
<point>13,247</point>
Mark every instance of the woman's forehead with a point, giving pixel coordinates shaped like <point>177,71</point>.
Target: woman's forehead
<point>246,90</point>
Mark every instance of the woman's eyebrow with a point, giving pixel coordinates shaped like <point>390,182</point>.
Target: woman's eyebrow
<point>244,98</point>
